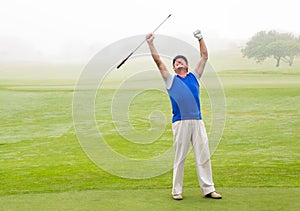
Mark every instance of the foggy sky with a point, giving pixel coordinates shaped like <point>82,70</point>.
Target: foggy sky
<point>67,30</point>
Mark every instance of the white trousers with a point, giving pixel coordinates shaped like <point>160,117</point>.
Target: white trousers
<point>186,132</point>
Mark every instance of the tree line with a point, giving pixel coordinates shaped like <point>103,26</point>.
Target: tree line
<point>281,46</point>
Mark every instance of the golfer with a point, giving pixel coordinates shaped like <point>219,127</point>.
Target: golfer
<point>187,125</point>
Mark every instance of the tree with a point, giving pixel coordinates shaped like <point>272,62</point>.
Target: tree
<point>281,46</point>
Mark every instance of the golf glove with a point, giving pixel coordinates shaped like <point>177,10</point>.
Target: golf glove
<point>197,34</point>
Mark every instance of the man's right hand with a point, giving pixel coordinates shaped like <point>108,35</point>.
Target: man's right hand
<point>150,38</point>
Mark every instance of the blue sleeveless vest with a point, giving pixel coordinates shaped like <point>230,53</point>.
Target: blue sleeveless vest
<point>184,96</point>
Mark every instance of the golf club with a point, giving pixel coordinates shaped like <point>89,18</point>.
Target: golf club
<point>140,44</point>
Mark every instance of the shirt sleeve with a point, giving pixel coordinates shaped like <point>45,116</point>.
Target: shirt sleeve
<point>196,74</point>
<point>169,80</point>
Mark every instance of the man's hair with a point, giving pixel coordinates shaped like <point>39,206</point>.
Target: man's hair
<point>180,57</point>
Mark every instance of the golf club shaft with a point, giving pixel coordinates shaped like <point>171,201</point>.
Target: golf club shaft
<point>141,44</point>
<point>161,23</point>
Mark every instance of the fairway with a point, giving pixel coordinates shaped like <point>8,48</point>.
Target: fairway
<point>255,167</point>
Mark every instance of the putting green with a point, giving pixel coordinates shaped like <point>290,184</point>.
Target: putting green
<point>156,199</point>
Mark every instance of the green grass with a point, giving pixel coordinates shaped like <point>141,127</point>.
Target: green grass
<point>256,165</point>
<point>158,199</point>
<point>232,59</point>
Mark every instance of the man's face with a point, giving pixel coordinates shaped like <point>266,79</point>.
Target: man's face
<point>180,65</point>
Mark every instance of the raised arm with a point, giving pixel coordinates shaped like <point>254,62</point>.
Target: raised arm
<point>203,53</point>
<point>161,66</point>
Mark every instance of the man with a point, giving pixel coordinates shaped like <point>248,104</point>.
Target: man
<point>187,125</point>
